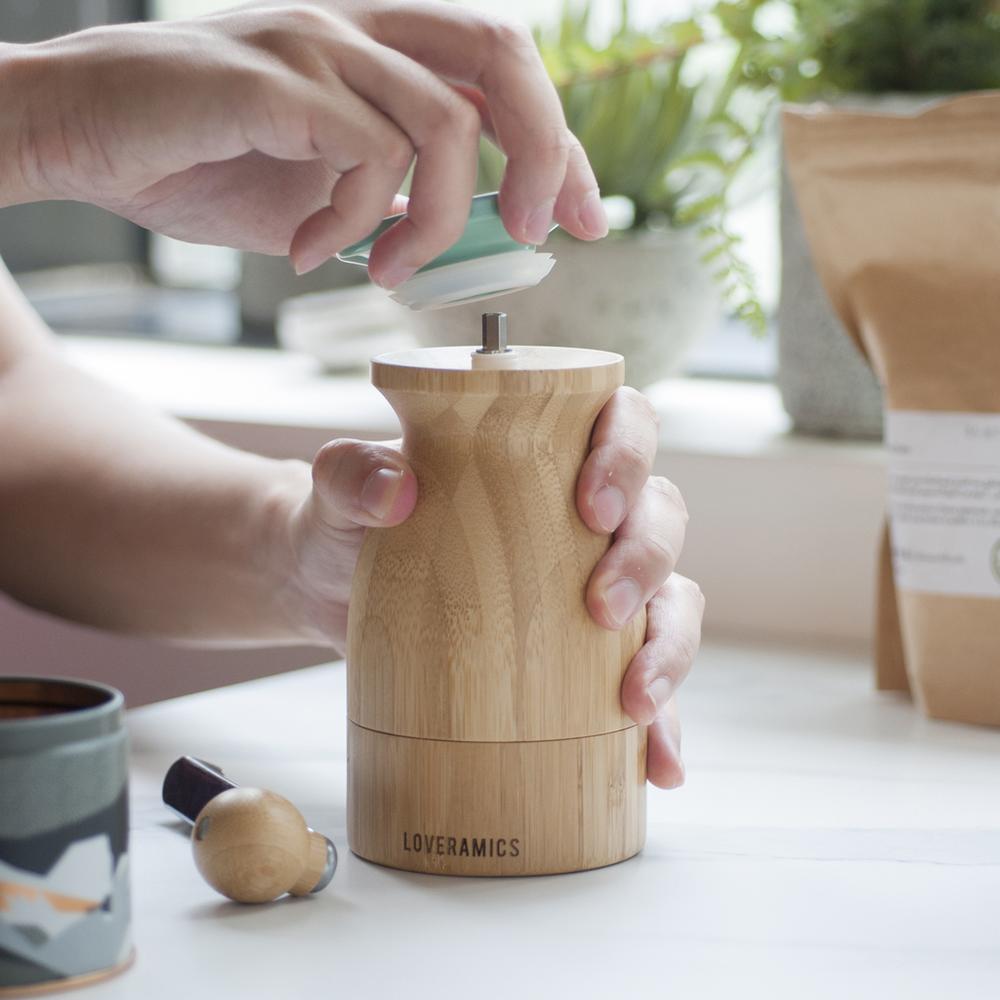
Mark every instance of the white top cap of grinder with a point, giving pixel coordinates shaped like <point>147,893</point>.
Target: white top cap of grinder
<point>493,356</point>
<point>484,262</point>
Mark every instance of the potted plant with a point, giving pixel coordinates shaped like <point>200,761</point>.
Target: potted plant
<point>668,117</point>
<point>889,55</point>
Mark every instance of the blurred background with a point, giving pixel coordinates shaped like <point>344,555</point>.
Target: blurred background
<point>674,101</point>
<point>770,417</point>
<point>87,270</point>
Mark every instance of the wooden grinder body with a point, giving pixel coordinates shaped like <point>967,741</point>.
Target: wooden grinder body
<point>486,735</point>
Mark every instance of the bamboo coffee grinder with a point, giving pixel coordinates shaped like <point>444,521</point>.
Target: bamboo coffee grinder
<point>486,735</point>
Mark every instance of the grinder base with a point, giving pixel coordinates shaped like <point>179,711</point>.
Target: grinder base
<point>448,807</point>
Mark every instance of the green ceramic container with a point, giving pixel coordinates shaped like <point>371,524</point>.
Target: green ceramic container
<point>484,236</point>
<point>64,874</point>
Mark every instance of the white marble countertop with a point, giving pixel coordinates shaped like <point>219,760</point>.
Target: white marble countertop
<point>829,842</point>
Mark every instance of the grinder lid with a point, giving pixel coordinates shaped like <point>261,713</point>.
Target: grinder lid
<point>486,261</point>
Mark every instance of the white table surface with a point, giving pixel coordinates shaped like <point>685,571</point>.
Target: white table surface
<point>829,843</point>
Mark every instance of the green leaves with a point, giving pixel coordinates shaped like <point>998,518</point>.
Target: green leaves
<point>649,119</point>
<point>670,116</point>
<point>731,271</point>
<point>663,115</point>
<point>879,46</point>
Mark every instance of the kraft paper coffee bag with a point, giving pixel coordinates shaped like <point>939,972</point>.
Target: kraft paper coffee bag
<point>902,213</point>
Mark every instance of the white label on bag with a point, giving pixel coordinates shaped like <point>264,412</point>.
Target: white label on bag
<point>944,501</point>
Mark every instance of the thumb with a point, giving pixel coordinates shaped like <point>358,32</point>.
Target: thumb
<point>361,483</point>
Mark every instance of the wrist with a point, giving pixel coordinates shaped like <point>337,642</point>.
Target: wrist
<point>279,516</point>
<point>15,185</point>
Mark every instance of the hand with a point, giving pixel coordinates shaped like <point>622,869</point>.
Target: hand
<point>357,485</point>
<point>616,492</point>
<point>290,130</point>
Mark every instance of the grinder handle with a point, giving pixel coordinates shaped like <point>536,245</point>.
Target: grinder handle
<point>190,784</point>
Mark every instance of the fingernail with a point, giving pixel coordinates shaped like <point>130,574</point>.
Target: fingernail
<point>395,274</point>
<point>593,218</point>
<point>309,260</point>
<point>659,693</point>
<point>609,507</point>
<point>536,228</point>
<point>622,598</point>
<point>380,491</point>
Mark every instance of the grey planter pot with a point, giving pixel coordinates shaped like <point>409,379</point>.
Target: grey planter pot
<point>825,383</point>
<point>647,297</point>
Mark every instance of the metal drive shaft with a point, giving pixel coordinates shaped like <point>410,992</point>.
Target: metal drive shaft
<point>494,334</point>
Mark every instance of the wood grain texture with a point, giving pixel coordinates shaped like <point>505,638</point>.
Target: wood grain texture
<point>468,620</point>
<point>253,846</point>
<point>533,808</point>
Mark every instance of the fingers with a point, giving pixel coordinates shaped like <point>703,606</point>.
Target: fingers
<point>443,129</point>
<point>622,449</point>
<point>360,483</point>
<point>360,199</point>
<point>546,167</point>
<point>371,111</point>
<point>644,553</point>
<point>443,134</point>
<point>444,181</point>
<point>579,208</point>
<point>615,493</point>
<point>391,89</point>
<point>673,635</point>
<point>478,100</point>
<point>372,156</point>
<point>664,767</point>
<point>546,172</point>
<point>536,141</point>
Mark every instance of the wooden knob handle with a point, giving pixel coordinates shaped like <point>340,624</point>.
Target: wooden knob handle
<point>253,846</point>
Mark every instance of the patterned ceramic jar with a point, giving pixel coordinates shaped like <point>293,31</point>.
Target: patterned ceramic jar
<point>64,875</point>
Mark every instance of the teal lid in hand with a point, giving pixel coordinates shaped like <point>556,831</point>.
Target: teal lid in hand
<point>486,261</point>
<point>484,236</point>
